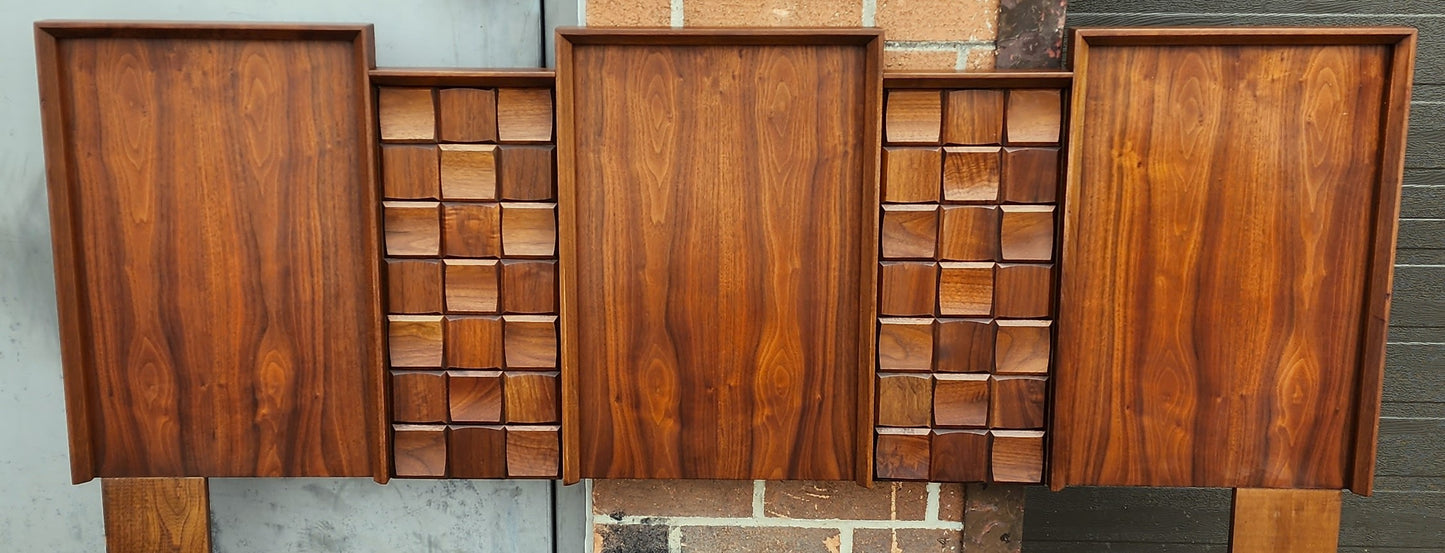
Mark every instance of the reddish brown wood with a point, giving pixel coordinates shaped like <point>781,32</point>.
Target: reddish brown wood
<point>407,114</point>
<point>473,342</point>
<point>410,172</point>
<point>913,117</point>
<point>529,229</point>
<point>965,289</point>
<point>753,272</point>
<point>421,450</point>
<point>969,233</point>
<point>467,115</point>
<point>415,341</point>
<point>1285,521</point>
<point>903,453</point>
<point>1269,222</point>
<point>468,171</point>
<point>961,400</point>
<point>905,344</point>
<point>1017,402</point>
<point>413,229</point>
<point>477,452</point>
<point>1023,291</point>
<point>1034,116</point>
<point>971,174</point>
<point>959,456</point>
<point>418,396</point>
<point>528,172</point>
<point>1017,456</point>
<point>905,400</point>
<point>965,345</point>
<point>531,341</point>
<point>474,396</point>
<point>188,352</point>
<point>912,174</point>
<point>156,515</point>
<point>471,230</point>
<point>909,288</point>
<point>533,451</point>
<point>973,117</point>
<point>531,398</point>
<point>977,79</point>
<point>1023,347</point>
<point>524,114</point>
<point>414,286</point>
<point>909,231</point>
<point>1030,175</point>
<point>529,286</point>
<point>472,286</point>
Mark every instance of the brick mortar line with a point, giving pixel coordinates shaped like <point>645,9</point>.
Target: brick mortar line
<point>835,524</point>
<point>760,491</point>
<point>936,45</point>
<point>870,14</point>
<point>675,12</point>
<point>930,509</point>
<point>845,541</point>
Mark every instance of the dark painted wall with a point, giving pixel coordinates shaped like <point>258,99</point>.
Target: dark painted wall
<point>1407,512</point>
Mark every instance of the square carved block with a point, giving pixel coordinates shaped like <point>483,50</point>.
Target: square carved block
<point>472,230</point>
<point>410,172</point>
<point>913,116</point>
<point>1018,402</point>
<point>530,286</point>
<point>1018,456</point>
<point>529,230</point>
<point>531,397</point>
<point>524,114</point>
<point>1027,232</point>
<point>960,456</point>
<point>414,340</point>
<point>965,289</point>
<point>905,344</point>
<point>413,286</point>
<point>1022,347</point>
<point>974,117</point>
<point>971,173</point>
<point>419,451</point>
<point>469,171</point>
<point>912,175</point>
<point>467,115</point>
<point>902,454</point>
<point>529,173</point>
<point>904,400</point>
<point>412,228</point>
<point>969,233</point>
<point>964,345</point>
<point>533,451</point>
<point>531,341</point>
<point>474,342</point>
<point>472,285</point>
<point>1030,175</point>
<point>1034,116</point>
<point>418,396</point>
<point>909,231</point>
<point>908,288</point>
<point>406,114</point>
<point>474,396</point>
<point>477,452</point>
<point>1023,291</point>
<point>961,400</point>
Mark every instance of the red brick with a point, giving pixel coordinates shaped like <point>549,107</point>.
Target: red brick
<point>911,540</point>
<point>846,500</point>
<point>678,498</point>
<point>938,19</point>
<point>919,60</point>
<point>732,539</point>
<point>629,13</point>
<point>772,13</point>
<point>950,502</point>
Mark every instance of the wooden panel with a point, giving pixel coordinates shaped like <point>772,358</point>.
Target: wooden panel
<point>969,233</point>
<point>529,286</point>
<point>524,114</point>
<point>681,301</point>
<point>468,171</point>
<point>473,342</point>
<point>215,232</point>
<point>477,452</point>
<point>905,344</point>
<point>1277,208</point>
<point>531,341</point>
<point>908,288</point>
<point>973,117</point>
<point>912,174</point>
<point>1023,290</point>
<point>909,231</point>
<point>156,515</point>
<point>1017,402</point>
<point>1285,521</point>
<point>965,289</point>
<point>421,450</point>
<point>529,230</point>
<point>474,396</point>
<point>531,397</point>
<point>904,399</point>
<point>914,116</point>
<point>418,396</point>
<point>959,456</point>
<point>471,230</point>
<point>971,173</point>
<point>1026,233</point>
<point>528,172</point>
<point>471,285</point>
<point>414,286</point>
<point>467,115</point>
<point>406,114</point>
<point>533,452</point>
<point>1017,456</point>
<point>961,400</point>
<point>903,454</point>
<point>1030,175</point>
<point>415,340</point>
<point>413,228</point>
<point>410,172</point>
<point>1022,347</point>
<point>1034,116</point>
<point>964,345</point>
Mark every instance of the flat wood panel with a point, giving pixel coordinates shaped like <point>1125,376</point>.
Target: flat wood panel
<point>1285,521</point>
<point>215,211</point>
<point>719,329</point>
<point>1225,283</point>
<point>156,515</point>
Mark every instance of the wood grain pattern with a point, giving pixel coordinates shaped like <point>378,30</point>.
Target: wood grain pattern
<point>969,233</point>
<point>1285,521</point>
<point>471,229</point>
<point>414,286</point>
<point>410,172</point>
<point>415,341</point>
<point>1030,175</point>
<point>729,330</point>
<point>412,228</point>
<point>473,342</point>
<point>528,172</point>
<point>971,173</point>
<point>909,231</point>
<point>1017,402</point>
<point>533,451</point>
<point>477,452</point>
<point>472,285</point>
<point>421,450</point>
<point>1276,208</point>
<point>474,396</point>
<point>961,400</point>
<point>959,456</point>
<point>531,341</point>
<point>914,116</point>
<point>963,345</point>
<point>467,115</point>
<point>406,114</point>
<point>903,453</point>
<point>965,289</point>
<point>188,351</point>
<point>531,398</point>
<point>418,396</point>
<point>1026,232</point>
<point>529,286</point>
<point>904,400</point>
<point>912,175</point>
<point>905,344</point>
<point>468,171</point>
<point>529,229</point>
<point>156,515</point>
<point>524,114</point>
<point>1023,290</point>
<point>1022,347</point>
<point>1017,456</point>
<point>973,117</point>
<point>908,288</point>
<point>1034,116</point>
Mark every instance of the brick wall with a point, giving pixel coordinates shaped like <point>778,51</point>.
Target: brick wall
<point>637,516</point>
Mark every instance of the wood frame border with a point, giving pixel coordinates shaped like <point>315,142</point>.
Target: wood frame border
<point>566,38</point>
<point>75,361</point>
<point>1386,210</point>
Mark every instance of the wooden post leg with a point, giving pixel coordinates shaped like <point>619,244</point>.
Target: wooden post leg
<point>1285,521</point>
<point>156,515</point>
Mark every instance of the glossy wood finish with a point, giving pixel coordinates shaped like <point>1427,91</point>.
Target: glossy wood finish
<point>1285,521</point>
<point>1226,284</point>
<point>156,515</point>
<point>216,248</point>
<point>722,329</point>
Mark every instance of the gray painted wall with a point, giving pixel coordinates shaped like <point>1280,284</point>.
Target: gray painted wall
<point>1407,513</point>
<point>39,509</point>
